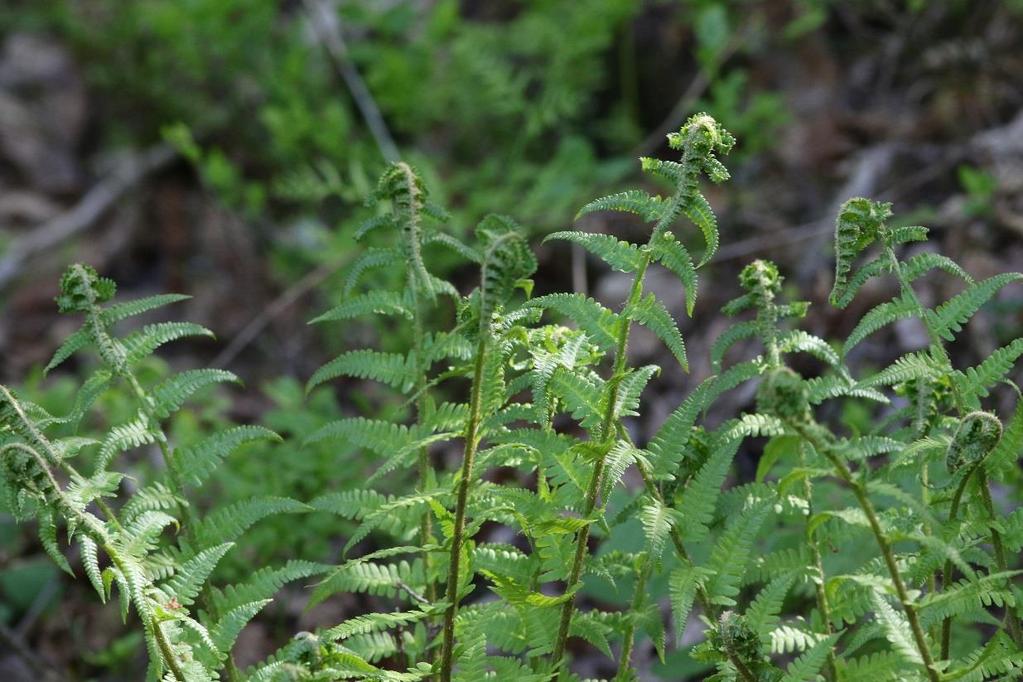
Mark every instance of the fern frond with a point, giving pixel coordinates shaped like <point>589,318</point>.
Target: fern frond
<point>728,338</point>
<point>880,316</point>
<point>967,596</point>
<point>599,323</point>
<point>230,625</point>
<point>669,252</point>
<point>142,343</point>
<point>883,666</point>
<point>636,201</point>
<point>951,315</point>
<point>196,463</point>
<point>859,223</point>
<point>169,395</point>
<point>896,630</point>
<point>619,255</point>
<point>652,314</point>
<point>973,383</point>
<point>392,369</point>
<point>227,524</point>
<point>682,587</point>
<point>700,497</point>
<point>190,576</point>
<point>806,667</point>
<point>668,444</point>
<point>120,311</point>
<point>657,521</point>
<point>731,553</point>
<point>370,259</point>
<point>124,437</point>
<point>71,345</point>
<point>922,263</point>
<point>804,342</point>
<point>762,613</point>
<point>369,303</point>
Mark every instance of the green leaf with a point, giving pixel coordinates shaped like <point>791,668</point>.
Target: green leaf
<point>169,395</point>
<point>636,201</point>
<point>142,343</point>
<point>657,521</point>
<point>227,524</point>
<point>190,576</point>
<point>120,311</point>
<point>951,315</point>
<point>599,323</point>
<point>670,253</point>
<point>393,369</point>
<point>369,303</point>
<point>197,462</point>
<point>880,316</point>
<point>619,255</point>
<point>896,629</point>
<point>652,314</point>
<point>806,667</point>
<point>732,552</point>
<point>975,382</point>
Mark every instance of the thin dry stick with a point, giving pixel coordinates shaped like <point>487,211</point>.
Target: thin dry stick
<point>90,208</point>
<point>328,30</point>
<point>283,301</point>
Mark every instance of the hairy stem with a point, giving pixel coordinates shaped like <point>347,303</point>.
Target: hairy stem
<point>867,506</point>
<point>426,523</point>
<point>818,564</point>
<point>1011,619</point>
<point>744,672</point>
<point>946,573</point>
<point>676,541</point>
<point>457,539</point>
<point>638,597</point>
<point>597,476</point>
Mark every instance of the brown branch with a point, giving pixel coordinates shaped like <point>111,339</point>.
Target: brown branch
<point>328,31</point>
<point>85,213</point>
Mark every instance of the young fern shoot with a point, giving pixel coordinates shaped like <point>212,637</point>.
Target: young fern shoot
<point>699,141</point>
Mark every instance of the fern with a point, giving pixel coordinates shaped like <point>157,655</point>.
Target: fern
<point>508,503</point>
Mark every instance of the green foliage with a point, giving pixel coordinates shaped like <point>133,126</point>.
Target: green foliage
<point>534,414</point>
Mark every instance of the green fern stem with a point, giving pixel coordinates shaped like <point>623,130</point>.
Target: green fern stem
<point>677,543</point>
<point>946,573</point>
<point>1011,619</point>
<point>426,523</point>
<point>597,476</point>
<point>924,314</point>
<point>867,506</point>
<point>628,639</point>
<point>818,564</point>
<point>457,538</point>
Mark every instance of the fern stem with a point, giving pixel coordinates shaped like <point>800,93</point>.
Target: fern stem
<point>867,506</point>
<point>625,661</point>
<point>597,476</point>
<point>1011,619</point>
<point>676,540</point>
<point>457,539</point>
<point>818,564</point>
<point>744,672</point>
<point>946,573</point>
<point>923,313</point>
<point>168,653</point>
<point>426,523</point>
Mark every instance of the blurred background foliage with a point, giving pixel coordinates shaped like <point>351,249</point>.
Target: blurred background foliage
<point>220,148</point>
